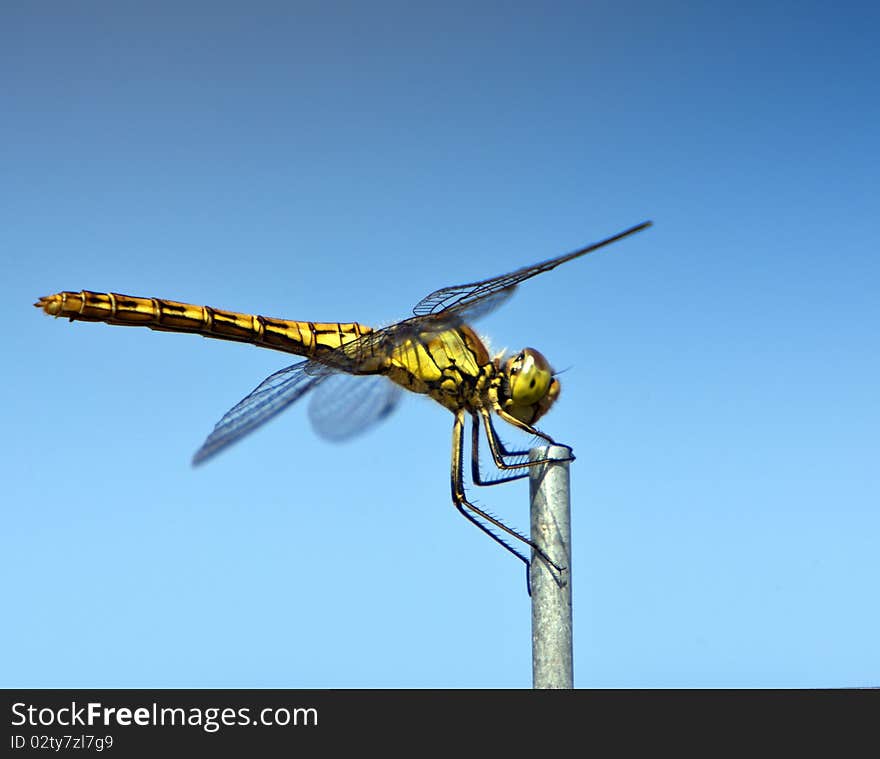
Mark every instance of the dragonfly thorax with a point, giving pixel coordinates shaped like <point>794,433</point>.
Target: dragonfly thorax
<point>528,387</point>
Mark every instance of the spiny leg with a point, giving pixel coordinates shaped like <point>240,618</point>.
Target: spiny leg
<point>500,452</point>
<point>460,500</point>
<point>476,474</point>
<point>464,506</point>
<point>527,428</point>
<point>495,440</point>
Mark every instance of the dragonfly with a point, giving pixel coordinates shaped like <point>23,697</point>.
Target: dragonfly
<point>356,373</point>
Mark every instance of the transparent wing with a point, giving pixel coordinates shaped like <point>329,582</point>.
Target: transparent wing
<point>269,398</point>
<point>479,307</point>
<point>344,406</point>
<point>441,310</point>
<point>481,297</point>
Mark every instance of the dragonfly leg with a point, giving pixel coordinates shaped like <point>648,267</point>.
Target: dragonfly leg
<point>495,440</point>
<point>528,429</point>
<point>471,512</point>
<point>498,452</point>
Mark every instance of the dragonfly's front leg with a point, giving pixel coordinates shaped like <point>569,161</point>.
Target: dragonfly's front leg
<point>527,428</point>
<point>471,512</point>
<point>499,452</point>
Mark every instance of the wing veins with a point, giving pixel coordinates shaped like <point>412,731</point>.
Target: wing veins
<point>267,400</point>
<point>462,298</point>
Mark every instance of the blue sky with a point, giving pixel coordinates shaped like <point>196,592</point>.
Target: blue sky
<point>333,161</point>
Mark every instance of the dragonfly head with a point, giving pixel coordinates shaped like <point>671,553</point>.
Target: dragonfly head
<point>528,386</point>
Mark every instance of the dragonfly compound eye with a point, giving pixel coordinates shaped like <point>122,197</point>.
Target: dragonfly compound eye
<point>529,375</point>
<point>530,386</point>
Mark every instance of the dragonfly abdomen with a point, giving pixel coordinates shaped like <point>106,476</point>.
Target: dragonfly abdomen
<point>299,337</point>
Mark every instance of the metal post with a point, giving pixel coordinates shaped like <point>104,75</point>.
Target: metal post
<point>552,659</point>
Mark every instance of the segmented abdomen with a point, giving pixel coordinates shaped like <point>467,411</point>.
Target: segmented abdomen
<point>299,337</point>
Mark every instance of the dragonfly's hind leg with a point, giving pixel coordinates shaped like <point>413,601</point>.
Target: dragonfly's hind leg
<point>472,512</point>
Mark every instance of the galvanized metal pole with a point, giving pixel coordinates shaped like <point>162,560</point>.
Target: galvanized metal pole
<point>552,651</point>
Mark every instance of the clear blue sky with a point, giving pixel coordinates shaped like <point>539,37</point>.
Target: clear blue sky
<point>333,161</point>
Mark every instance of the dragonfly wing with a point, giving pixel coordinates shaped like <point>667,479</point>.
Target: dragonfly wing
<point>439,311</point>
<point>270,397</point>
<point>478,307</point>
<point>463,299</point>
<point>345,405</point>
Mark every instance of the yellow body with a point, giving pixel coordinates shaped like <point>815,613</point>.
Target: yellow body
<point>302,338</point>
<point>451,366</point>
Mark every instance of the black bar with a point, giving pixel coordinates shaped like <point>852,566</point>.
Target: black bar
<point>174,722</point>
